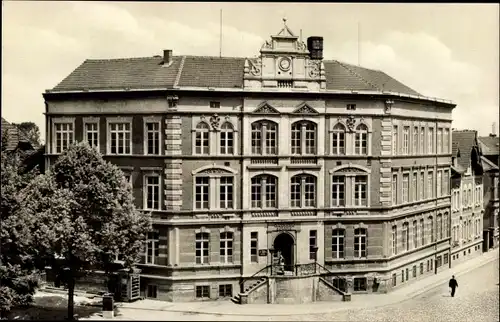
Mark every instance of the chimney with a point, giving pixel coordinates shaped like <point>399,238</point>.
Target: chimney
<point>167,57</point>
<point>493,130</point>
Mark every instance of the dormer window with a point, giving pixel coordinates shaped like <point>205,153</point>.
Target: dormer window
<point>214,104</point>
<point>351,107</point>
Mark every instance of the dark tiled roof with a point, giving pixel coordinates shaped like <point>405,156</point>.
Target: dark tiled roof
<point>488,165</point>
<point>203,71</point>
<point>489,145</point>
<point>14,135</point>
<point>463,141</point>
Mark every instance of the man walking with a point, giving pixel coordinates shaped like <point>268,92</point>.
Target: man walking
<point>453,285</point>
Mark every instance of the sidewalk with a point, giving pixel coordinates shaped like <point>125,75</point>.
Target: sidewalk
<point>358,301</point>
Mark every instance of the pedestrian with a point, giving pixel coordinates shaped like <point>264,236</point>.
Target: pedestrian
<point>453,284</point>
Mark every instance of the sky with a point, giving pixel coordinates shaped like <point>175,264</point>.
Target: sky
<point>449,51</point>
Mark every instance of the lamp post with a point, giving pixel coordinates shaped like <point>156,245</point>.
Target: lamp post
<point>315,250</point>
<point>271,251</point>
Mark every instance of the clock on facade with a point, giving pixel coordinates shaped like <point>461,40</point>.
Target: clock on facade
<point>285,64</point>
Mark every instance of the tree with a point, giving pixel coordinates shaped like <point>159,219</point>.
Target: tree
<point>5,139</point>
<point>85,210</point>
<point>31,130</point>
<point>19,276</point>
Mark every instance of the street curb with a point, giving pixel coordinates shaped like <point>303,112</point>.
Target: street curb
<point>401,299</point>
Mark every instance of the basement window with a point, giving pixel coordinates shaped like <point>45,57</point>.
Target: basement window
<point>351,107</point>
<point>226,290</point>
<point>152,292</point>
<point>214,104</point>
<point>359,284</point>
<point>203,291</point>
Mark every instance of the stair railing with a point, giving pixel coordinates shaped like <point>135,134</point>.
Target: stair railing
<point>242,283</point>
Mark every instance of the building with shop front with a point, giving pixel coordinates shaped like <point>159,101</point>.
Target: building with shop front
<point>288,155</point>
<point>489,147</point>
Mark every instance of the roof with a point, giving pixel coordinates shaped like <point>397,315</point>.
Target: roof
<point>487,164</point>
<point>14,135</point>
<point>489,145</point>
<point>463,141</point>
<point>205,71</point>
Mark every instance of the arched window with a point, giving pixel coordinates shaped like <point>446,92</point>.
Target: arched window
<point>264,191</point>
<point>360,242</point>
<point>226,138</point>
<point>338,139</point>
<point>303,137</point>
<point>338,239</point>
<point>361,140</point>
<point>202,138</point>
<point>264,137</point>
<point>303,191</point>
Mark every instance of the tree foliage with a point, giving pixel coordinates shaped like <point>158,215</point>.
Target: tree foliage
<point>31,130</point>
<point>85,211</point>
<point>18,268</point>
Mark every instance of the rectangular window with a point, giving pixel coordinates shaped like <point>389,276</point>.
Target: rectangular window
<point>361,142</point>
<point>226,192</point>
<point>359,284</point>
<point>402,275</point>
<point>152,292</point>
<point>202,248</point>
<point>360,242</point>
<point>92,134</point>
<point>296,139</point>
<point>406,140</point>
<point>431,229</point>
<point>395,140</point>
<point>446,183</point>
<point>415,141</point>
<point>310,136</point>
<point>406,187</point>
<point>351,107</point>
<point>394,280</point>
<point>439,141</point>
<point>226,290</point>
<point>254,244</point>
<point>422,140</point>
<point>445,259</point>
<point>406,235</point>
<point>446,141</point>
<point>407,274</point>
<point>422,232</point>
<point>394,189</point>
<point>431,261</point>
<point>338,140</point>
<point>421,186</point>
<point>338,237</point>
<point>226,247</point>
<point>152,192</point>
<point>414,273</point>
<point>414,182</point>
<point>152,247</point>
<point>120,138</point>
<point>64,136</point>
<point>203,291</point>
<point>430,184</point>
<point>153,138</point>
<point>415,234</point>
<point>202,139</point>
<point>421,268</point>
<point>338,191</point>
<point>360,191</point>
<point>394,240</point>
<point>430,141</point>
<point>202,195</point>
<point>428,265</point>
<point>214,104</point>
<point>439,182</point>
<point>312,244</point>
<point>271,133</point>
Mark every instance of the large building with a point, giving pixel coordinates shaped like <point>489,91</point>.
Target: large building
<point>245,160</point>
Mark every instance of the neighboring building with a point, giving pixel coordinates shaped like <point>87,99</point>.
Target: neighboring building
<point>490,156</point>
<point>241,160</point>
<point>466,197</point>
<point>16,141</point>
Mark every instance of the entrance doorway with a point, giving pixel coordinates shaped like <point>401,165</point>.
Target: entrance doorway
<point>283,245</point>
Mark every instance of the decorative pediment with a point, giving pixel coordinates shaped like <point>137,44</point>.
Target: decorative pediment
<point>305,109</point>
<point>215,170</point>
<point>265,108</point>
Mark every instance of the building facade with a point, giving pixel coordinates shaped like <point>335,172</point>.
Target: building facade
<point>242,161</point>
<point>489,147</point>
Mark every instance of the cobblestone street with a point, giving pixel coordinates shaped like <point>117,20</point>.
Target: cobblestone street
<point>477,299</point>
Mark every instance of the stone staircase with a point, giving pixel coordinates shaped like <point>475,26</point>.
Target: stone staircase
<point>237,298</point>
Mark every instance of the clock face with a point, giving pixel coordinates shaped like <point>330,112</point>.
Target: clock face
<point>285,64</point>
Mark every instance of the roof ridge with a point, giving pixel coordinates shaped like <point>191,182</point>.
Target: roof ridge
<point>359,76</point>
<point>179,71</point>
